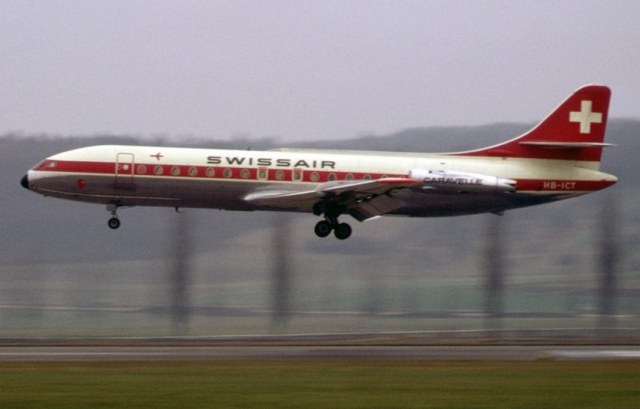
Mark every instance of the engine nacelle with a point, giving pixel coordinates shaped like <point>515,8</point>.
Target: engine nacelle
<point>462,182</point>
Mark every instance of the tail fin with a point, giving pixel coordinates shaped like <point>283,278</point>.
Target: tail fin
<point>573,131</point>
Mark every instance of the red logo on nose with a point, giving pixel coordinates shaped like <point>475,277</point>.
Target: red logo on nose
<point>81,183</point>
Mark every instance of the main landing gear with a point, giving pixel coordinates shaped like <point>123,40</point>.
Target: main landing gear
<point>113,222</point>
<point>342,231</point>
<point>323,228</point>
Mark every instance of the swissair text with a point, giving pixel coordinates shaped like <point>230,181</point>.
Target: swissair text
<point>266,162</point>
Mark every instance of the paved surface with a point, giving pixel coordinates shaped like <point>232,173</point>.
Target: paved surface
<point>71,353</point>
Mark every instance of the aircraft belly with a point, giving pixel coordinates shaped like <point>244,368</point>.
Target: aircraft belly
<point>196,193</point>
<point>230,195</point>
<point>146,191</point>
<point>441,205</point>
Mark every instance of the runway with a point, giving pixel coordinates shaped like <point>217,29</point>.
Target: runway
<point>77,353</point>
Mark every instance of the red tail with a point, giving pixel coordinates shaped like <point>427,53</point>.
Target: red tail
<point>573,131</point>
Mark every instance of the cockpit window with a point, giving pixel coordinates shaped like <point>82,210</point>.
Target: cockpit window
<point>46,164</point>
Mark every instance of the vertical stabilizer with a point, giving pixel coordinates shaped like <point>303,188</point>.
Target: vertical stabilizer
<point>575,130</point>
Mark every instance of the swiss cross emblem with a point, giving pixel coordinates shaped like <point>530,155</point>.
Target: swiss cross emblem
<point>585,117</point>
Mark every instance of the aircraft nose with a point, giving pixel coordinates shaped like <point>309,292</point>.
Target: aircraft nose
<point>25,181</point>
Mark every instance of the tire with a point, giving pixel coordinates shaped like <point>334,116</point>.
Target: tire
<point>114,223</point>
<point>323,228</point>
<point>342,231</point>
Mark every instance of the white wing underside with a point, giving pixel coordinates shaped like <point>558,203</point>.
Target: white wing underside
<point>363,199</point>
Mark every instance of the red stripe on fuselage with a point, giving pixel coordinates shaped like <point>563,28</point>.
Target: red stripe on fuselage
<point>207,172</point>
<point>561,185</point>
<point>287,175</point>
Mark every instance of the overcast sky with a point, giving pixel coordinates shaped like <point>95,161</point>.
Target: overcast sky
<point>305,69</point>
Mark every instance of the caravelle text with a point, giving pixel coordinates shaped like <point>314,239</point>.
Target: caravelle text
<point>453,181</point>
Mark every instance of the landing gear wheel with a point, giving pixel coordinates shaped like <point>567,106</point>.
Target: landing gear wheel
<point>323,228</point>
<point>331,208</point>
<point>342,231</point>
<point>114,223</point>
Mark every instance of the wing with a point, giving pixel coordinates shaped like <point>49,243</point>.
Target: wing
<point>363,199</point>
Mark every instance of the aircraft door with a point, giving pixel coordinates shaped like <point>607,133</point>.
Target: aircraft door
<point>124,170</point>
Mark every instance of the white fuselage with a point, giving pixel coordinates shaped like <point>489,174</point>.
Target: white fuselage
<point>213,178</point>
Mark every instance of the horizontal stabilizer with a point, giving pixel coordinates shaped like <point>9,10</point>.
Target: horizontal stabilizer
<point>567,145</point>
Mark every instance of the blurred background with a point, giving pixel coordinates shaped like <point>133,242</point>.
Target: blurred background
<point>363,74</point>
<point>568,269</point>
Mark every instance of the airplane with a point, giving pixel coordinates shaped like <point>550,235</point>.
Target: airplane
<point>557,159</point>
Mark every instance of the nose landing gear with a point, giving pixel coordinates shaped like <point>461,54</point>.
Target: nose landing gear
<point>113,222</point>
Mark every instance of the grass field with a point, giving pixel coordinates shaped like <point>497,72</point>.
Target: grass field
<point>320,384</point>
